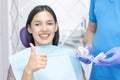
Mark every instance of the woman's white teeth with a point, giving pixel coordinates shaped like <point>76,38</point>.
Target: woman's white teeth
<point>45,35</point>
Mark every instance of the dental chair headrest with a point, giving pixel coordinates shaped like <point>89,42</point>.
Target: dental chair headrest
<point>23,37</point>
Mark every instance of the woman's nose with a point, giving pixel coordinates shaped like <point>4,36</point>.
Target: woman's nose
<point>44,28</point>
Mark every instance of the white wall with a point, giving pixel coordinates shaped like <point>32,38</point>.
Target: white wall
<point>3,39</point>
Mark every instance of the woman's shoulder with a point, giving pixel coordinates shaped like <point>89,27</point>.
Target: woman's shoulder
<point>19,56</point>
<point>21,52</point>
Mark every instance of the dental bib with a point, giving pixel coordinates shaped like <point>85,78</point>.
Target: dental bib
<point>62,64</point>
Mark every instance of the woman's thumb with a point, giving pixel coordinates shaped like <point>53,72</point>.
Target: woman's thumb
<point>32,48</point>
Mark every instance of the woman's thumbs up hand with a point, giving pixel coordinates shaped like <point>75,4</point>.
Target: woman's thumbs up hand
<point>36,60</point>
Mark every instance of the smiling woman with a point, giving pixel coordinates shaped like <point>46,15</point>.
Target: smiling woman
<point>43,28</point>
<point>42,24</point>
<point>43,59</point>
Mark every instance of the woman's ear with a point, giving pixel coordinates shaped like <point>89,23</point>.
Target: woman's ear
<point>29,29</point>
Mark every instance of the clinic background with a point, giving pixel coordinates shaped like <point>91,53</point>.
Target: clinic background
<point>72,19</point>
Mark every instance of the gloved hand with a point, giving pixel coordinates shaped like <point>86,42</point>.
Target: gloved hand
<point>85,54</point>
<point>113,60</point>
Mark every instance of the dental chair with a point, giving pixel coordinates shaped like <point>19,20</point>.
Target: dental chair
<point>23,37</point>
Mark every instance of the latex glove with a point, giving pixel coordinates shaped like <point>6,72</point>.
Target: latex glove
<point>113,60</point>
<point>85,54</point>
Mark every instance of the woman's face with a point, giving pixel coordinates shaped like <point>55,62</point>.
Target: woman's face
<point>43,28</point>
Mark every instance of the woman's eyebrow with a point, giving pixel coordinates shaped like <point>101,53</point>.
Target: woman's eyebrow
<point>36,21</point>
<point>41,21</point>
<point>50,21</point>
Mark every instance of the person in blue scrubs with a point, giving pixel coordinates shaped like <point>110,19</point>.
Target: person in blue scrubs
<point>103,35</point>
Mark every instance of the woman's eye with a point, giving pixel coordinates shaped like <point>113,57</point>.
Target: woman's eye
<point>50,23</point>
<point>37,24</point>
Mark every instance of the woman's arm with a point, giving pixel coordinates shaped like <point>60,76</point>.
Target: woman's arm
<point>27,74</point>
<point>10,75</point>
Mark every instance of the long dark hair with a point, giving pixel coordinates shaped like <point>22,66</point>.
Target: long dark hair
<point>30,18</point>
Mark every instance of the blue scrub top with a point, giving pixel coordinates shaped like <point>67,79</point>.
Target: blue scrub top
<point>106,14</point>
